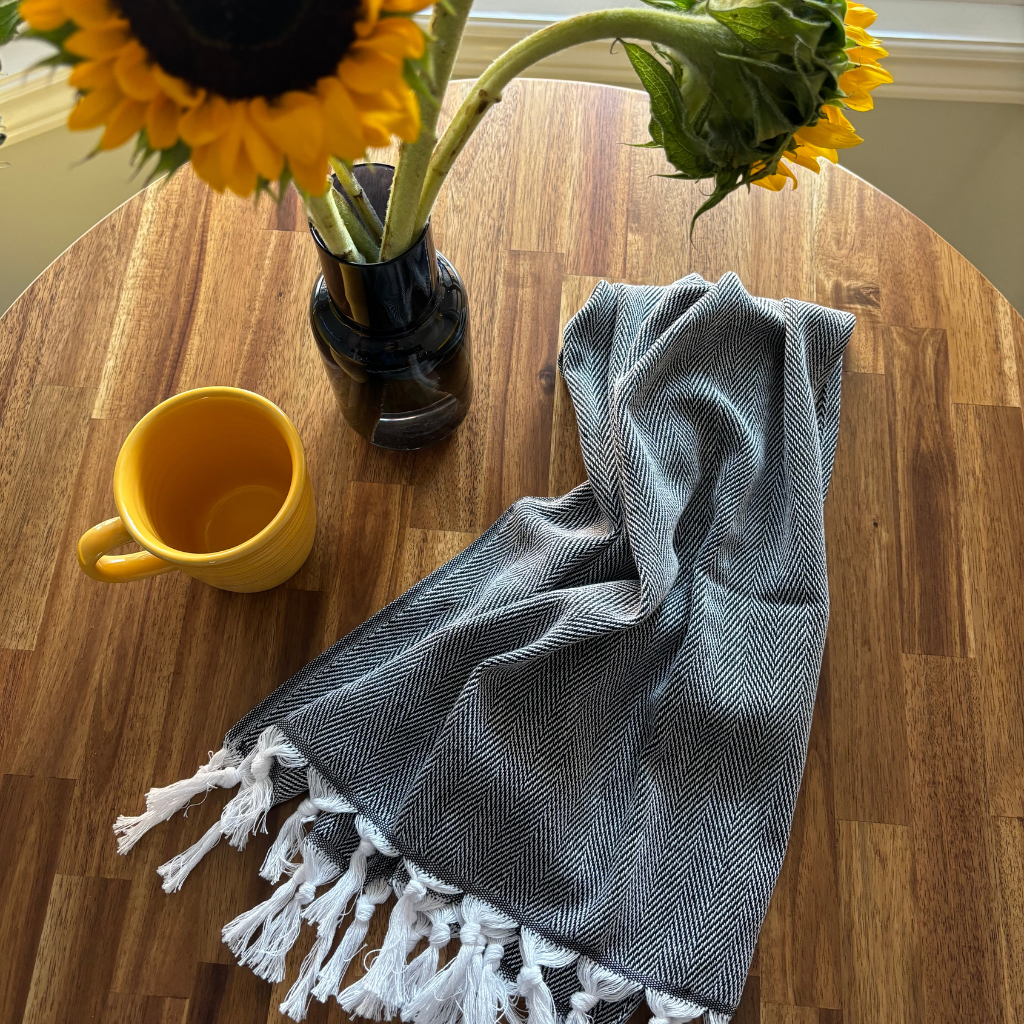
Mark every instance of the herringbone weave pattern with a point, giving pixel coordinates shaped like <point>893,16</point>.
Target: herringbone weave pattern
<point>595,717</point>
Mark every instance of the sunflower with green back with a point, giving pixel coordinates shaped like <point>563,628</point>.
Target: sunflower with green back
<point>257,95</point>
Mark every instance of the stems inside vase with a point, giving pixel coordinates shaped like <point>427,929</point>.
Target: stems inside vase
<point>424,164</point>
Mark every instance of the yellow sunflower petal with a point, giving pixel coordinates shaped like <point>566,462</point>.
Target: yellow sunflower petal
<point>805,157</point>
<point>127,118</point>
<point>399,37</point>
<point>775,182</point>
<point>818,151</point>
<point>772,182</point>
<point>867,54</point>
<point>365,25</point>
<point>162,121</point>
<point>295,123</point>
<point>94,108</point>
<point>88,13</point>
<point>200,125</point>
<point>311,175</point>
<point>867,76</point>
<point>229,145</point>
<point>97,43</point>
<point>343,128</point>
<point>92,74</point>
<point>135,73</point>
<point>832,131</point>
<point>862,38</point>
<point>242,176</point>
<point>404,120</point>
<point>43,15</point>
<point>405,6</point>
<point>266,158</point>
<point>858,83</point>
<point>367,70</point>
<point>859,16</point>
<point>181,92</point>
<point>206,162</point>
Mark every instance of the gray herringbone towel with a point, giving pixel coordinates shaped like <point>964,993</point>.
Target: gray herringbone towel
<point>578,744</point>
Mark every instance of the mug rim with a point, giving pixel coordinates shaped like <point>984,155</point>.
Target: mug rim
<point>208,558</point>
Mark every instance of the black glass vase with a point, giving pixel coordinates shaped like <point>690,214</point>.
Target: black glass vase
<point>394,336</point>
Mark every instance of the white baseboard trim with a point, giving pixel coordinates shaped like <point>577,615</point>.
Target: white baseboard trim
<point>33,102</point>
<point>925,68</point>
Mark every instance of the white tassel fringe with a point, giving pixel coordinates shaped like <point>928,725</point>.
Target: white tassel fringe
<point>438,934</point>
<point>163,802</point>
<point>280,918</point>
<point>177,869</point>
<point>597,984</point>
<point>530,984</point>
<point>667,1010</point>
<point>333,973</point>
<point>469,988</point>
<point>279,861</point>
<point>380,993</point>
<point>245,812</point>
<point>326,912</point>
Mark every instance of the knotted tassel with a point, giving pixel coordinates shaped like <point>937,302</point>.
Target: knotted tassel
<point>458,985</point>
<point>324,796</point>
<point>380,993</point>
<point>326,912</point>
<point>439,934</point>
<point>333,973</point>
<point>163,802</point>
<point>597,984</point>
<point>245,811</point>
<point>280,918</point>
<point>492,996</point>
<point>530,984</point>
<point>279,861</point>
<point>669,1010</point>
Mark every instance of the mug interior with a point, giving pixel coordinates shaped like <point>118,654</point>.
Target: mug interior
<point>210,473</point>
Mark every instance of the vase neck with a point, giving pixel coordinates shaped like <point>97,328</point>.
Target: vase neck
<point>381,297</point>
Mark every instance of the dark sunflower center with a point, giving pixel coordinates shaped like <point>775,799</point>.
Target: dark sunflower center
<point>245,48</point>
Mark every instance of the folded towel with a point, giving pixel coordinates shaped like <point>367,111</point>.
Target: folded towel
<point>578,744</point>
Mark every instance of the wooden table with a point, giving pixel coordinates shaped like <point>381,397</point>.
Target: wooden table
<point>902,897</point>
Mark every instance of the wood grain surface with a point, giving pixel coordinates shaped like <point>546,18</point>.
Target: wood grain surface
<point>902,895</point>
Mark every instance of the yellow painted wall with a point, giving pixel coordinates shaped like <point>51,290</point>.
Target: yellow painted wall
<point>956,165</point>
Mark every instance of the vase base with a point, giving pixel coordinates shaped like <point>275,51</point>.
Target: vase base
<point>408,432</point>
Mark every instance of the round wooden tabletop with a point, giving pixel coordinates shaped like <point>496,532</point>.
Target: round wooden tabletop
<point>902,895</point>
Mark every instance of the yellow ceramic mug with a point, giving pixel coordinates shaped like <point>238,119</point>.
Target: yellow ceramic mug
<point>212,482</point>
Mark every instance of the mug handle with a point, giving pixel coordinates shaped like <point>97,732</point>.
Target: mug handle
<point>95,562</point>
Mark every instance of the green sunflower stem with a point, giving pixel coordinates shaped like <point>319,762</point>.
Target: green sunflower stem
<point>324,216</point>
<point>447,24</point>
<point>355,192</point>
<point>654,26</point>
<point>358,231</point>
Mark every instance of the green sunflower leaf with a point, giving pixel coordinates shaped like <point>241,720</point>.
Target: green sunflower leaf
<point>169,160</point>
<point>668,127</point>
<point>10,19</point>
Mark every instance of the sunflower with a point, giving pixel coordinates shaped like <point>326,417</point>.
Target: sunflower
<point>833,131</point>
<point>251,93</point>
